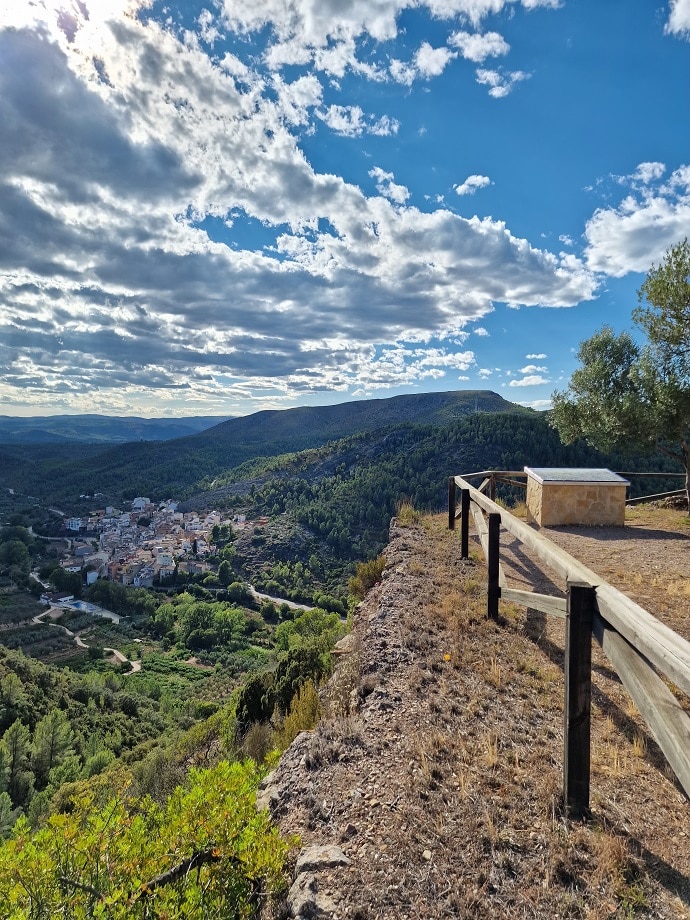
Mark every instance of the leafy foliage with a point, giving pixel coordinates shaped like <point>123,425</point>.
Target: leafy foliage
<point>205,852</point>
<point>636,397</point>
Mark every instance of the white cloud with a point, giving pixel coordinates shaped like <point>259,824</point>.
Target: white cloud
<point>539,357</point>
<point>98,305</point>
<point>484,373</point>
<point>387,187</point>
<point>679,18</point>
<point>318,24</point>
<point>350,121</point>
<point>208,29</point>
<point>481,331</point>
<point>471,184</point>
<point>402,72</point>
<point>565,239</point>
<point>532,380</point>
<point>631,236</point>
<point>297,99</point>
<point>532,369</point>
<point>476,47</point>
<point>500,83</point>
<point>431,62</point>
<point>648,172</point>
<point>539,404</point>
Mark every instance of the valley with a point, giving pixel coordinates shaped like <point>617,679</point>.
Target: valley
<point>230,569</point>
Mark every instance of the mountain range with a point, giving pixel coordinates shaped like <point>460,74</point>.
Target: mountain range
<point>175,467</point>
<point>105,429</point>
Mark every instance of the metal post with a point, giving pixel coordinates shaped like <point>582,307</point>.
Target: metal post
<point>578,698</point>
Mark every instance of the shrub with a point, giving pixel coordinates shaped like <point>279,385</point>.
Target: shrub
<point>367,574</point>
<point>305,711</point>
<point>205,852</point>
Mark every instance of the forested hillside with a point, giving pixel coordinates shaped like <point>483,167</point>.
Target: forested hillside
<point>345,493</point>
<point>177,466</point>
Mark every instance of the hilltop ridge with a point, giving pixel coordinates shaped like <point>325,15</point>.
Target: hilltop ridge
<point>173,467</point>
<point>431,787</point>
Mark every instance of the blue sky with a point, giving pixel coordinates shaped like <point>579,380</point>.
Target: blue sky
<point>221,206</point>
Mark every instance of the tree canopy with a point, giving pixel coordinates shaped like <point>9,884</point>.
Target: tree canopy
<point>629,395</point>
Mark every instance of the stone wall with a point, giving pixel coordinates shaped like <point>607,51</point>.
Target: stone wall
<point>600,503</point>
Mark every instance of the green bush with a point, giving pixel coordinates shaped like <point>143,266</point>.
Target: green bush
<point>205,852</point>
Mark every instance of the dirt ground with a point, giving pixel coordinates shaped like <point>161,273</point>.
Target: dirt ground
<point>436,770</point>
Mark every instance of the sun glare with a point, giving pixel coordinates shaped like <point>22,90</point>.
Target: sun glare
<point>66,15</point>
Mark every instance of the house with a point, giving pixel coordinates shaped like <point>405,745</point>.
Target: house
<point>74,524</point>
<point>72,564</point>
<point>58,598</point>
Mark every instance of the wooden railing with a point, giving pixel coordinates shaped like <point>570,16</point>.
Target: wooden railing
<point>635,642</point>
<point>518,479</point>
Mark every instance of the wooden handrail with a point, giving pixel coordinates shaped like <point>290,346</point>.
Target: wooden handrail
<point>664,647</point>
<point>633,640</point>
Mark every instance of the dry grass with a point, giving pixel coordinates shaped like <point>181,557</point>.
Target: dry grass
<point>459,755</point>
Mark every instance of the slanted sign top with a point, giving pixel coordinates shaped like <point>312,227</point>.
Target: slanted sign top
<point>572,476</point>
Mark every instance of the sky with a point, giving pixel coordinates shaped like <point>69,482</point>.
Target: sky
<point>212,207</point>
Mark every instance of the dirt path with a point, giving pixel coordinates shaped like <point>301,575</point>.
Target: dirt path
<point>79,642</point>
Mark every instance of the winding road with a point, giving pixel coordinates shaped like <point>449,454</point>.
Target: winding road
<point>79,642</point>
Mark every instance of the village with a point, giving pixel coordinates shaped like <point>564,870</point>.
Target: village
<point>145,545</point>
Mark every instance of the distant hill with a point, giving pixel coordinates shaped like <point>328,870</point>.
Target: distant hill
<point>107,429</point>
<point>165,468</point>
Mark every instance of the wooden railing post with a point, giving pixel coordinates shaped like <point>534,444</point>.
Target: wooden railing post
<point>492,488</point>
<point>451,503</point>
<point>578,698</point>
<point>464,523</point>
<point>494,590</point>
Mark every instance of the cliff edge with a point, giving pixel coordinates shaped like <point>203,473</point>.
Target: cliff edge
<point>432,785</point>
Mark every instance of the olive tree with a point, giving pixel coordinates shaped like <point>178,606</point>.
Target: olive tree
<point>631,395</point>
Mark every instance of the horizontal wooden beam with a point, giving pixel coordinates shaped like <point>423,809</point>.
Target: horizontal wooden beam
<point>511,482</point>
<point>546,603</point>
<point>485,473</point>
<point>640,499</point>
<point>481,529</point>
<point>668,651</point>
<point>667,719</point>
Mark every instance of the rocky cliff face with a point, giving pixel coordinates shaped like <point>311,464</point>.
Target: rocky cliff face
<point>431,787</point>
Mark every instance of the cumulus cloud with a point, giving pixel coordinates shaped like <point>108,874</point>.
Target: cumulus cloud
<point>477,47</point>
<point>302,28</point>
<point>532,369</point>
<point>431,62</point>
<point>539,357</point>
<point>129,154</point>
<point>630,236</point>
<point>481,331</point>
<point>679,18</point>
<point>500,83</point>
<point>387,187</point>
<point>539,404</point>
<point>471,184</point>
<point>531,380</point>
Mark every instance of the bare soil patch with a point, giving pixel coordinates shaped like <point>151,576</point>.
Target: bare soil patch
<point>437,768</point>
